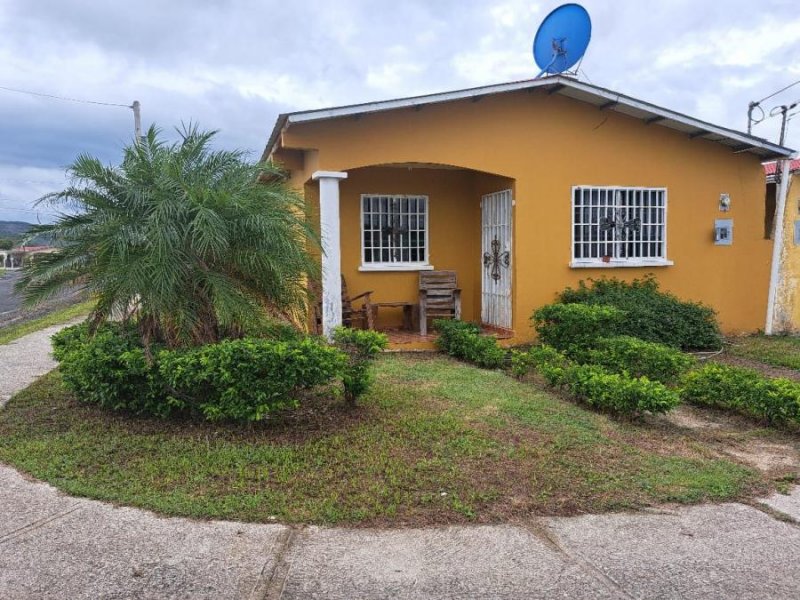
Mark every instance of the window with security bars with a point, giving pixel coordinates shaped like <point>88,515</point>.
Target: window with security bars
<point>394,230</point>
<point>619,225</point>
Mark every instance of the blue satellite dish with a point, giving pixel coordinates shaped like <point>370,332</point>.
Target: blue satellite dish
<point>562,39</point>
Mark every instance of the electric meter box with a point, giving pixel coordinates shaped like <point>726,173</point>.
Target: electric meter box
<point>723,232</point>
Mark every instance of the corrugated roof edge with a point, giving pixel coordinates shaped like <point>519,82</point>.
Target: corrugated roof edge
<point>771,167</point>
<point>749,142</point>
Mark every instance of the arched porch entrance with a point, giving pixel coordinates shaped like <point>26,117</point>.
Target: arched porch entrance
<point>382,225</point>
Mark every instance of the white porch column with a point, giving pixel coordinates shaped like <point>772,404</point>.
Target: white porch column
<point>332,248</point>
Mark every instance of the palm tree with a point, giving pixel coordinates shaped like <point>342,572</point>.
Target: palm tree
<point>197,244</point>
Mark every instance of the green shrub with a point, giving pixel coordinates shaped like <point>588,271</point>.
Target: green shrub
<point>275,330</point>
<point>242,379</point>
<point>651,314</point>
<point>639,358</point>
<point>246,379</point>
<point>618,393</point>
<point>110,368</point>
<point>447,327</point>
<point>361,347</point>
<point>745,391</point>
<point>463,340</point>
<point>534,358</point>
<point>575,327</point>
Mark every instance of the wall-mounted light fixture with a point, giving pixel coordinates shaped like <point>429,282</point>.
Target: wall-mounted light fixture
<point>724,202</point>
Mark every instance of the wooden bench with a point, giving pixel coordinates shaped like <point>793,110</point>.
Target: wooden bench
<point>410,312</point>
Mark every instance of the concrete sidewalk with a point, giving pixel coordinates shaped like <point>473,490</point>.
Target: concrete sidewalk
<point>26,359</point>
<point>55,546</point>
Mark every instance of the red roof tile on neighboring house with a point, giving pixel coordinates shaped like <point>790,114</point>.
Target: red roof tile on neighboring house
<point>769,168</point>
<point>31,248</point>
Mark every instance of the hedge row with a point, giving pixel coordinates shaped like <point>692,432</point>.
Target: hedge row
<point>463,340</point>
<point>587,334</point>
<point>639,358</point>
<point>243,379</point>
<point>618,393</point>
<point>745,391</point>
<point>649,313</point>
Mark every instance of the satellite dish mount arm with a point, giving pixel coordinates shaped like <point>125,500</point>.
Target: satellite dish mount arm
<point>558,52</point>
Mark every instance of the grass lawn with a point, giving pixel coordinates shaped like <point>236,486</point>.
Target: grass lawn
<point>778,351</point>
<point>12,332</point>
<point>435,441</point>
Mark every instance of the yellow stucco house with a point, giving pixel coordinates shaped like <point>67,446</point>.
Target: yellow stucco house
<point>525,188</point>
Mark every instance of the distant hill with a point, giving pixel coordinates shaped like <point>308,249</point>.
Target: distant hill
<point>14,229</point>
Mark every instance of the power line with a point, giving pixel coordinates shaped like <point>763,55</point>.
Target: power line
<point>54,97</point>
<point>791,85</point>
<point>28,210</point>
<point>31,181</point>
<point>757,105</point>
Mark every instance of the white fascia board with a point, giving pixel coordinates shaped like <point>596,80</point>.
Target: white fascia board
<point>562,85</point>
<point>669,115</point>
<point>383,105</point>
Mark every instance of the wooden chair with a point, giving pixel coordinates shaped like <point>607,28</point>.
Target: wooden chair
<point>364,314</point>
<point>439,297</point>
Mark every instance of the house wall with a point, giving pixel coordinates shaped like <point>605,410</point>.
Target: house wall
<point>787,318</point>
<point>547,144</point>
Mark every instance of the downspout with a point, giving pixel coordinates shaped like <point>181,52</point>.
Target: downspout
<point>777,248</point>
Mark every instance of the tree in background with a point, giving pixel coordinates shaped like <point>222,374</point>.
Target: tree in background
<point>6,243</point>
<point>196,244</point>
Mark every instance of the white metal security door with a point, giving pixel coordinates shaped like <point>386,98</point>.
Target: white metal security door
<point>496,211</point>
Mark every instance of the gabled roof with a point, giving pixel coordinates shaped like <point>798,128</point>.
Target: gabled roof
<point>602,98</point>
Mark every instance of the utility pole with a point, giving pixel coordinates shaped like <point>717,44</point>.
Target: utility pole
<point>137,121</point>
<point>750,108</point>
<point>785,109</point>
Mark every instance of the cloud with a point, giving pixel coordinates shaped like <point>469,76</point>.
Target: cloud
<point>233,65</point>
<point>20,185</point>
<point>737,47</point>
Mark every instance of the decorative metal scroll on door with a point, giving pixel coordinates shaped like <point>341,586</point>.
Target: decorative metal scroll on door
<point>496,259</point>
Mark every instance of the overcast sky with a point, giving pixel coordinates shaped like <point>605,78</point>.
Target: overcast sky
<point>234,65</point>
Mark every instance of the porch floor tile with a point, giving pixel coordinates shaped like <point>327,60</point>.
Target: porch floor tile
<point>403,340</point>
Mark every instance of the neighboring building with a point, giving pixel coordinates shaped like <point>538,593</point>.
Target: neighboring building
<point>787,302</point>
<point>19,256</point>
<point>571,180</point>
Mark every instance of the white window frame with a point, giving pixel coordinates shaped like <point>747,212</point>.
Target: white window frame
<point>639,261</point>
<point>421,265</point>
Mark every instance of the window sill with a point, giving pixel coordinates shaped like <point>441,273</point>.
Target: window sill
<point>395,267</point>
<point>614,264</point>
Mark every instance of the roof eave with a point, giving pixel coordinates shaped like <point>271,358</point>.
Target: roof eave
<point>559,84</point>
<point>280,123</point>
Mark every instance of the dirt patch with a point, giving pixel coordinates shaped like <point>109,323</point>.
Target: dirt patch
<point>764,369</point>
<point>691,418</point>
<point>734,436</point>
<point>768,457</point>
